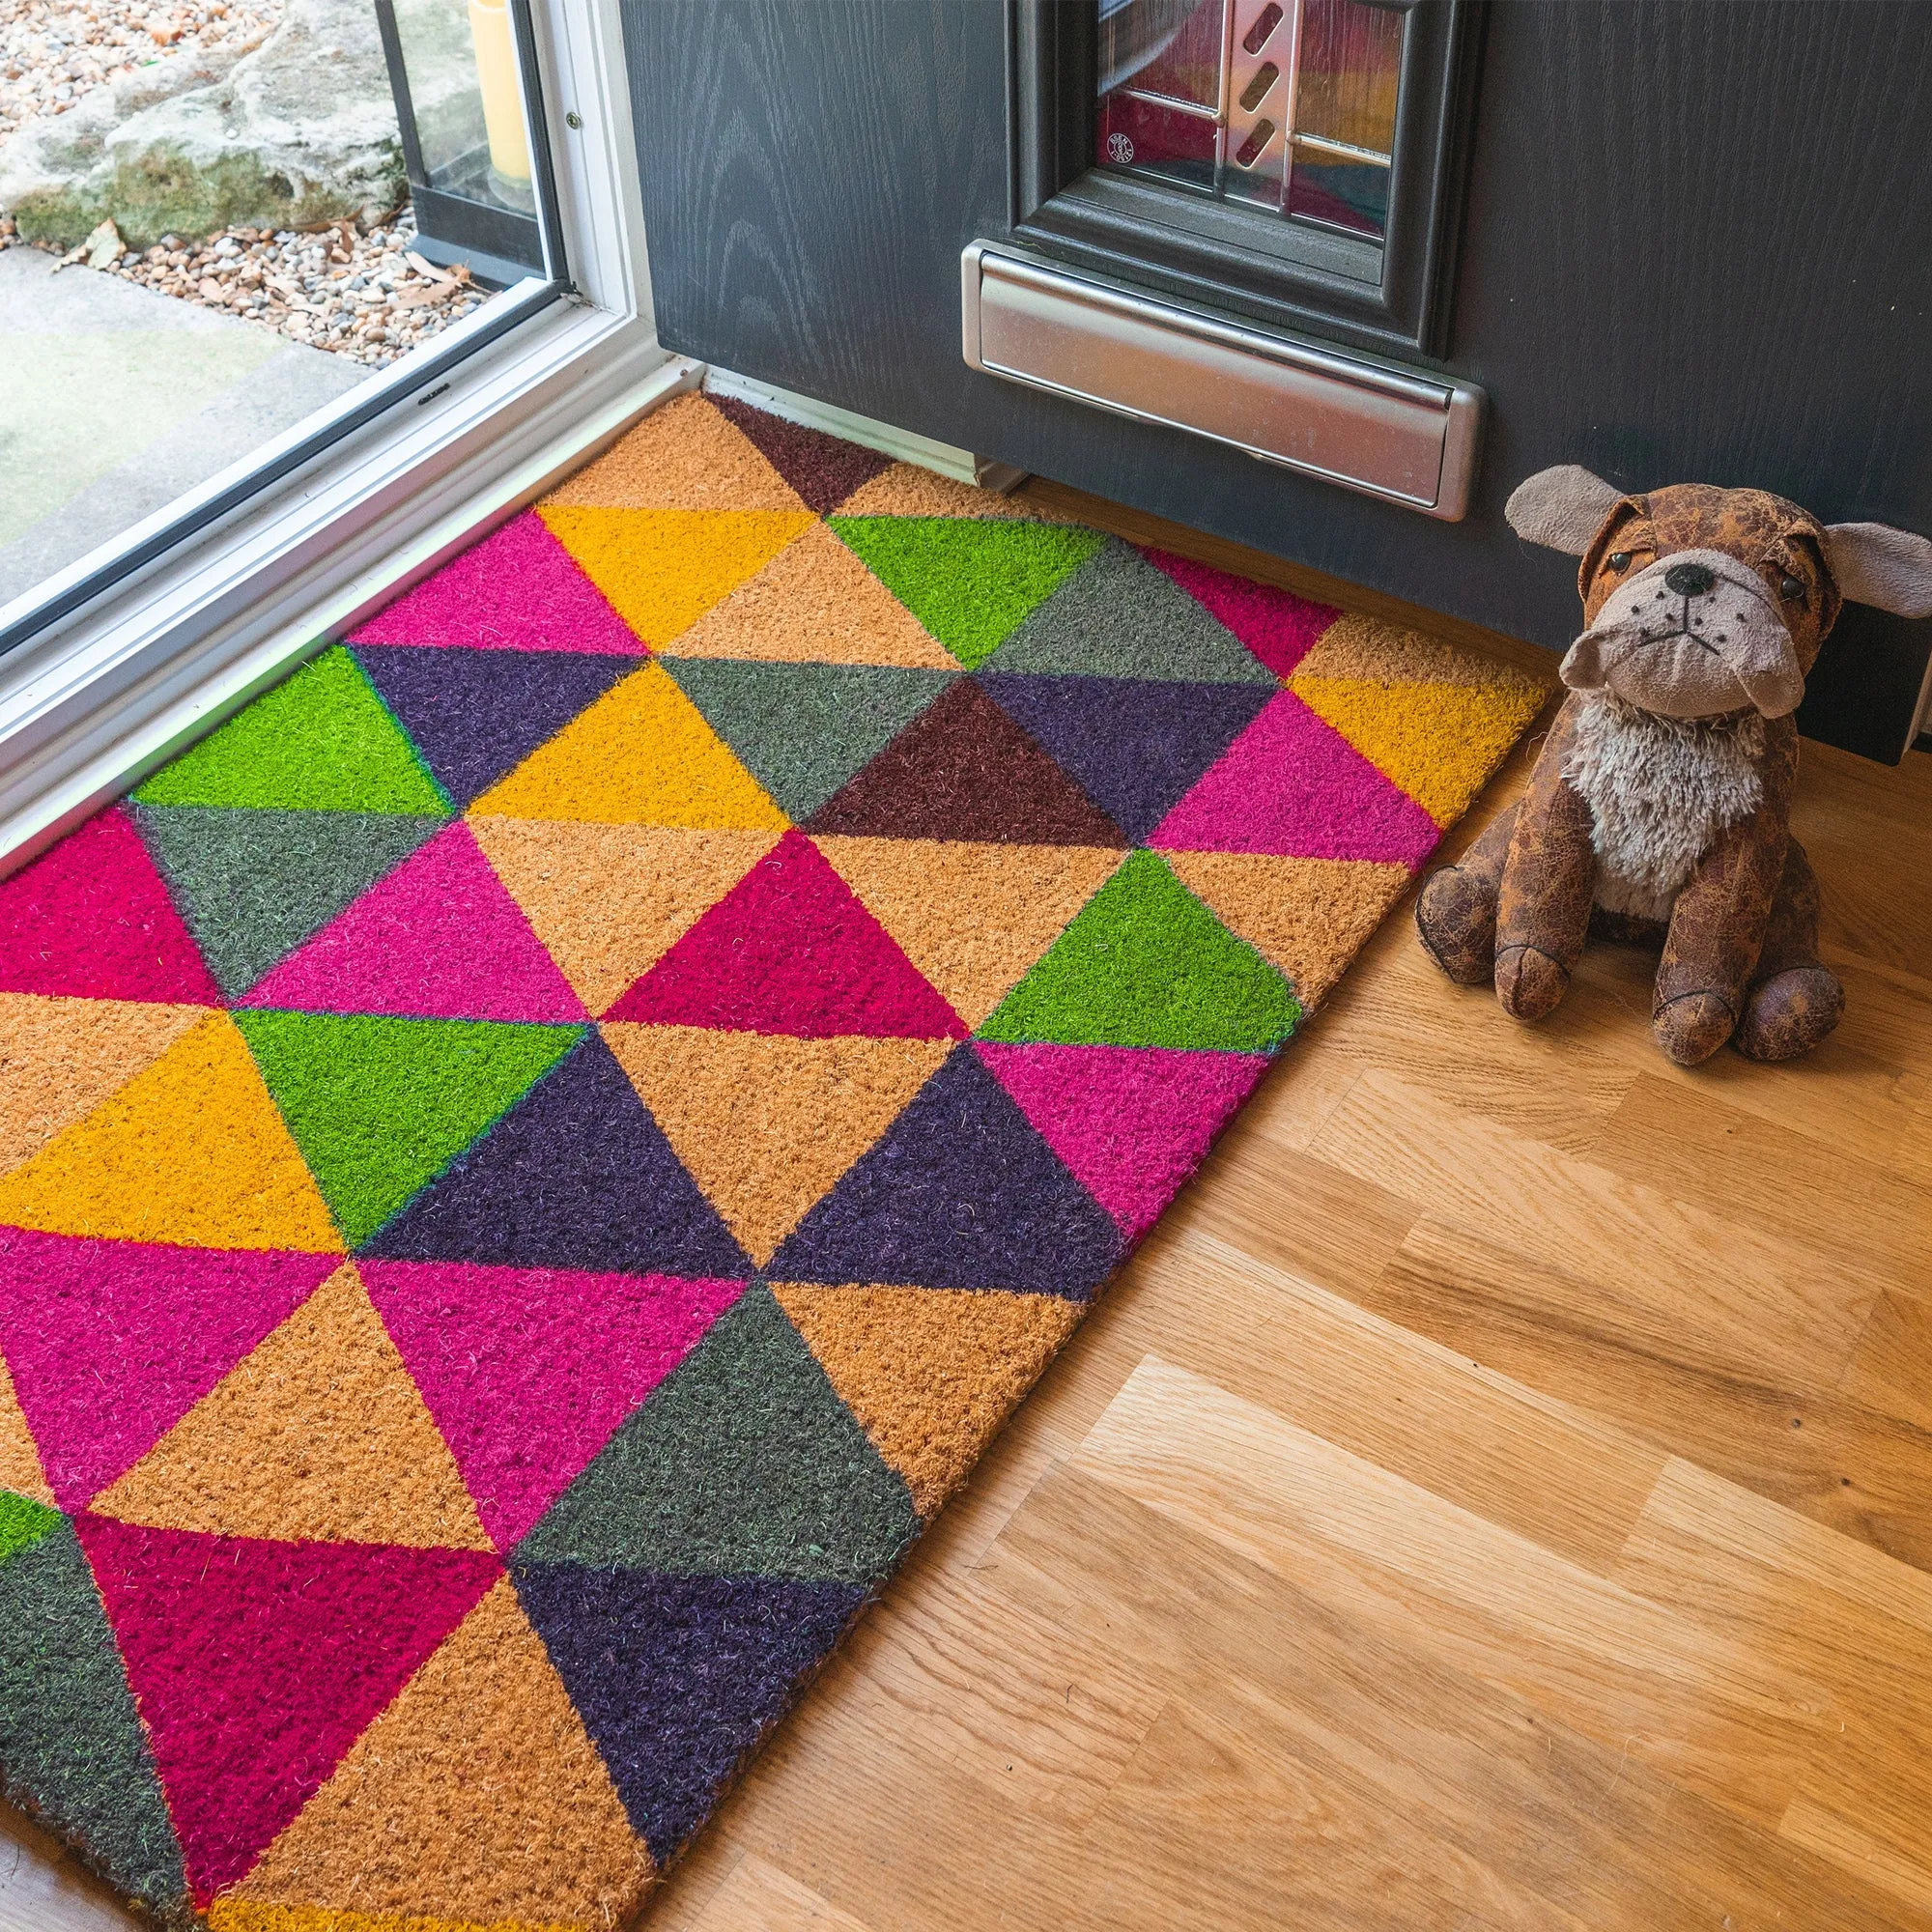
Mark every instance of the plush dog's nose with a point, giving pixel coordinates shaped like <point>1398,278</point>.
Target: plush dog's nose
<point>1689,579</point>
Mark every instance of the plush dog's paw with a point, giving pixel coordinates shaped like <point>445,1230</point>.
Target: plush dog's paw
<point>1456,918</point>
<point>1528,984</point>
<point>1790,1013</point>
<point>1693,1027</point>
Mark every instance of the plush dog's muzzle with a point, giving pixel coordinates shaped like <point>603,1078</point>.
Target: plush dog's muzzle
<point>1695,635</point>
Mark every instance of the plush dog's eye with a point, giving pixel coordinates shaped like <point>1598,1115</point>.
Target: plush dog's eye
<point>1620,559</point>
<point>1790,586</point>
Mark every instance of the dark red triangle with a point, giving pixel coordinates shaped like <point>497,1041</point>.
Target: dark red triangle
<point>963,769</point>
<point>824,470</point>
<point>790,949</point>
<point>255,1665</point>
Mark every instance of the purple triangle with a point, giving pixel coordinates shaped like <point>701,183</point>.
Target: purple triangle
<point>1134,745</point>
<point>677,1678</point>
<point>111,1343</point>
<point>960,1192</point>
<point>255,1665</point>
<point>577,1174</point>
<point>475,714</point>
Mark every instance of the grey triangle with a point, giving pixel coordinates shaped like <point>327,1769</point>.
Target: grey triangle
<point>1119,616</point>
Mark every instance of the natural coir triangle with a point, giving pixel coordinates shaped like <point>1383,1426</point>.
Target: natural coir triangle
<point>1146,964</point>
<point>322,742</point>
<point>21,1474</point>
<point>824,470</point>
<point>256,1665</point>
<point>254,883</point>
<point>685,456</point>
<point>73,1748</point>
<point>92,919</point>
<point>381,1106</point>
<point>963,769</point>
<point>743,1463</point>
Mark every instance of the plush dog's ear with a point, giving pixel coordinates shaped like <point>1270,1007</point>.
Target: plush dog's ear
<point>1560,507</point>
<point>1875,565</point>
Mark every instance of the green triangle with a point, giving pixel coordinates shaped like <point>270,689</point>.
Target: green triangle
<point>968,580</point>
<point>805,728</point>
<point>71,1744</point>
<point>380,1107</point>
<point>321,742</point>
<point>1144,963</point>
<point>1122,617</point>
<point>23,1523</point>
<point>743,1460</point>
<point>252,884</point>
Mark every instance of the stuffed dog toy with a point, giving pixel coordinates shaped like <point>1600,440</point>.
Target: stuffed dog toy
<point>1659,810</point>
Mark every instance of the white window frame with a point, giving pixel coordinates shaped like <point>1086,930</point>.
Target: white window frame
<point>102,696</point>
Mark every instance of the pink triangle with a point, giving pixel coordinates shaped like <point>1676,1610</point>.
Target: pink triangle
<point>255,1665</point>
<point>1133,1122</point>
<point>92,919</point>
<point>790,949</point>
<point>530,1371</point>
<point>517,591</point>
<point>1292,785</point>
<point>437,939</point>
<point>1279,627</point>
<point>111,1343</point>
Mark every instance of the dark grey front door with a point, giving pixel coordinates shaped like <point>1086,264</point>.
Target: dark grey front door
<point>1677,241</point>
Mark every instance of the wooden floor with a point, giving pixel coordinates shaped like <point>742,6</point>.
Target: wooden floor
<point>1498,1495</point>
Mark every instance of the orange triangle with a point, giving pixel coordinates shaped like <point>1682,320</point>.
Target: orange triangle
<point>767,1123</point>
<point>683,456</point>
<point>191,1151</point>
<point>61,1058</point>
<point>19,1459</point>
<point>318,1437</point>
<point>1308,917</point>
<point>905,490</point>
<point>973,918</point>
<point>476,1798</point>
<point>1355,646</point>
<point>661,570</point>
<point>814,602</point>
<point>930,1372</point>
<point>609,900</point>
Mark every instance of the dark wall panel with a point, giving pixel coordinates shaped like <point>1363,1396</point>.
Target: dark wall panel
<point>1699,247</point>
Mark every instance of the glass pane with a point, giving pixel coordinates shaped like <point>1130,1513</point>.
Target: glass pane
<point>1284,104</point>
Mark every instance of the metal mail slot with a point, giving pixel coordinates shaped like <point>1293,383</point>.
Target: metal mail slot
<point>1409,439</point>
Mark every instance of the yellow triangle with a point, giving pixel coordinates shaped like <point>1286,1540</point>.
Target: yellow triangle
<point>767,1123</point>
<point>973,918</point>
<point>684,456</point>
<point>609,900</point>
<point>191,1151</point>
<point>1306,917</point>
<point>61,1058</point>
<point>642,754</point>
<point>319,1437</point>
<point>1438,742</point>
<point>816,602</point>
<point>930,1372</point>
<point>662,569</point>
<point>19,1459</point>
<point>476,1798</point>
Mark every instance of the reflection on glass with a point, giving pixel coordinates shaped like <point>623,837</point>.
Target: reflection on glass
<point>1285,104</point>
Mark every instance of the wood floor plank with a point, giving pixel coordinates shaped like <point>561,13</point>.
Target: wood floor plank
<point>758,1897</point>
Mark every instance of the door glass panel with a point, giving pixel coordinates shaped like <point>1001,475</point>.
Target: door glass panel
<point>1288,105</point>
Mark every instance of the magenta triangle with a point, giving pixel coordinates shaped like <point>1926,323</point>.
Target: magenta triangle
<point>439,938</point>
<point>1131,1123</point>
<point>1279,627</point>
<point>790,949</point>
<point>1292,785</point>
<point>255,1665</point>
<point>517,591</point>
<point>92,919</point>
<point>111,1343</point>
<point>530,1371</point>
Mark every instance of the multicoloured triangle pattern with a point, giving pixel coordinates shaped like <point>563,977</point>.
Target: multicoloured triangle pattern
<point>535,1156</point>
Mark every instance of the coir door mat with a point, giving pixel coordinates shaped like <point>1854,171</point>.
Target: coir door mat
<point>534,1158</point>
